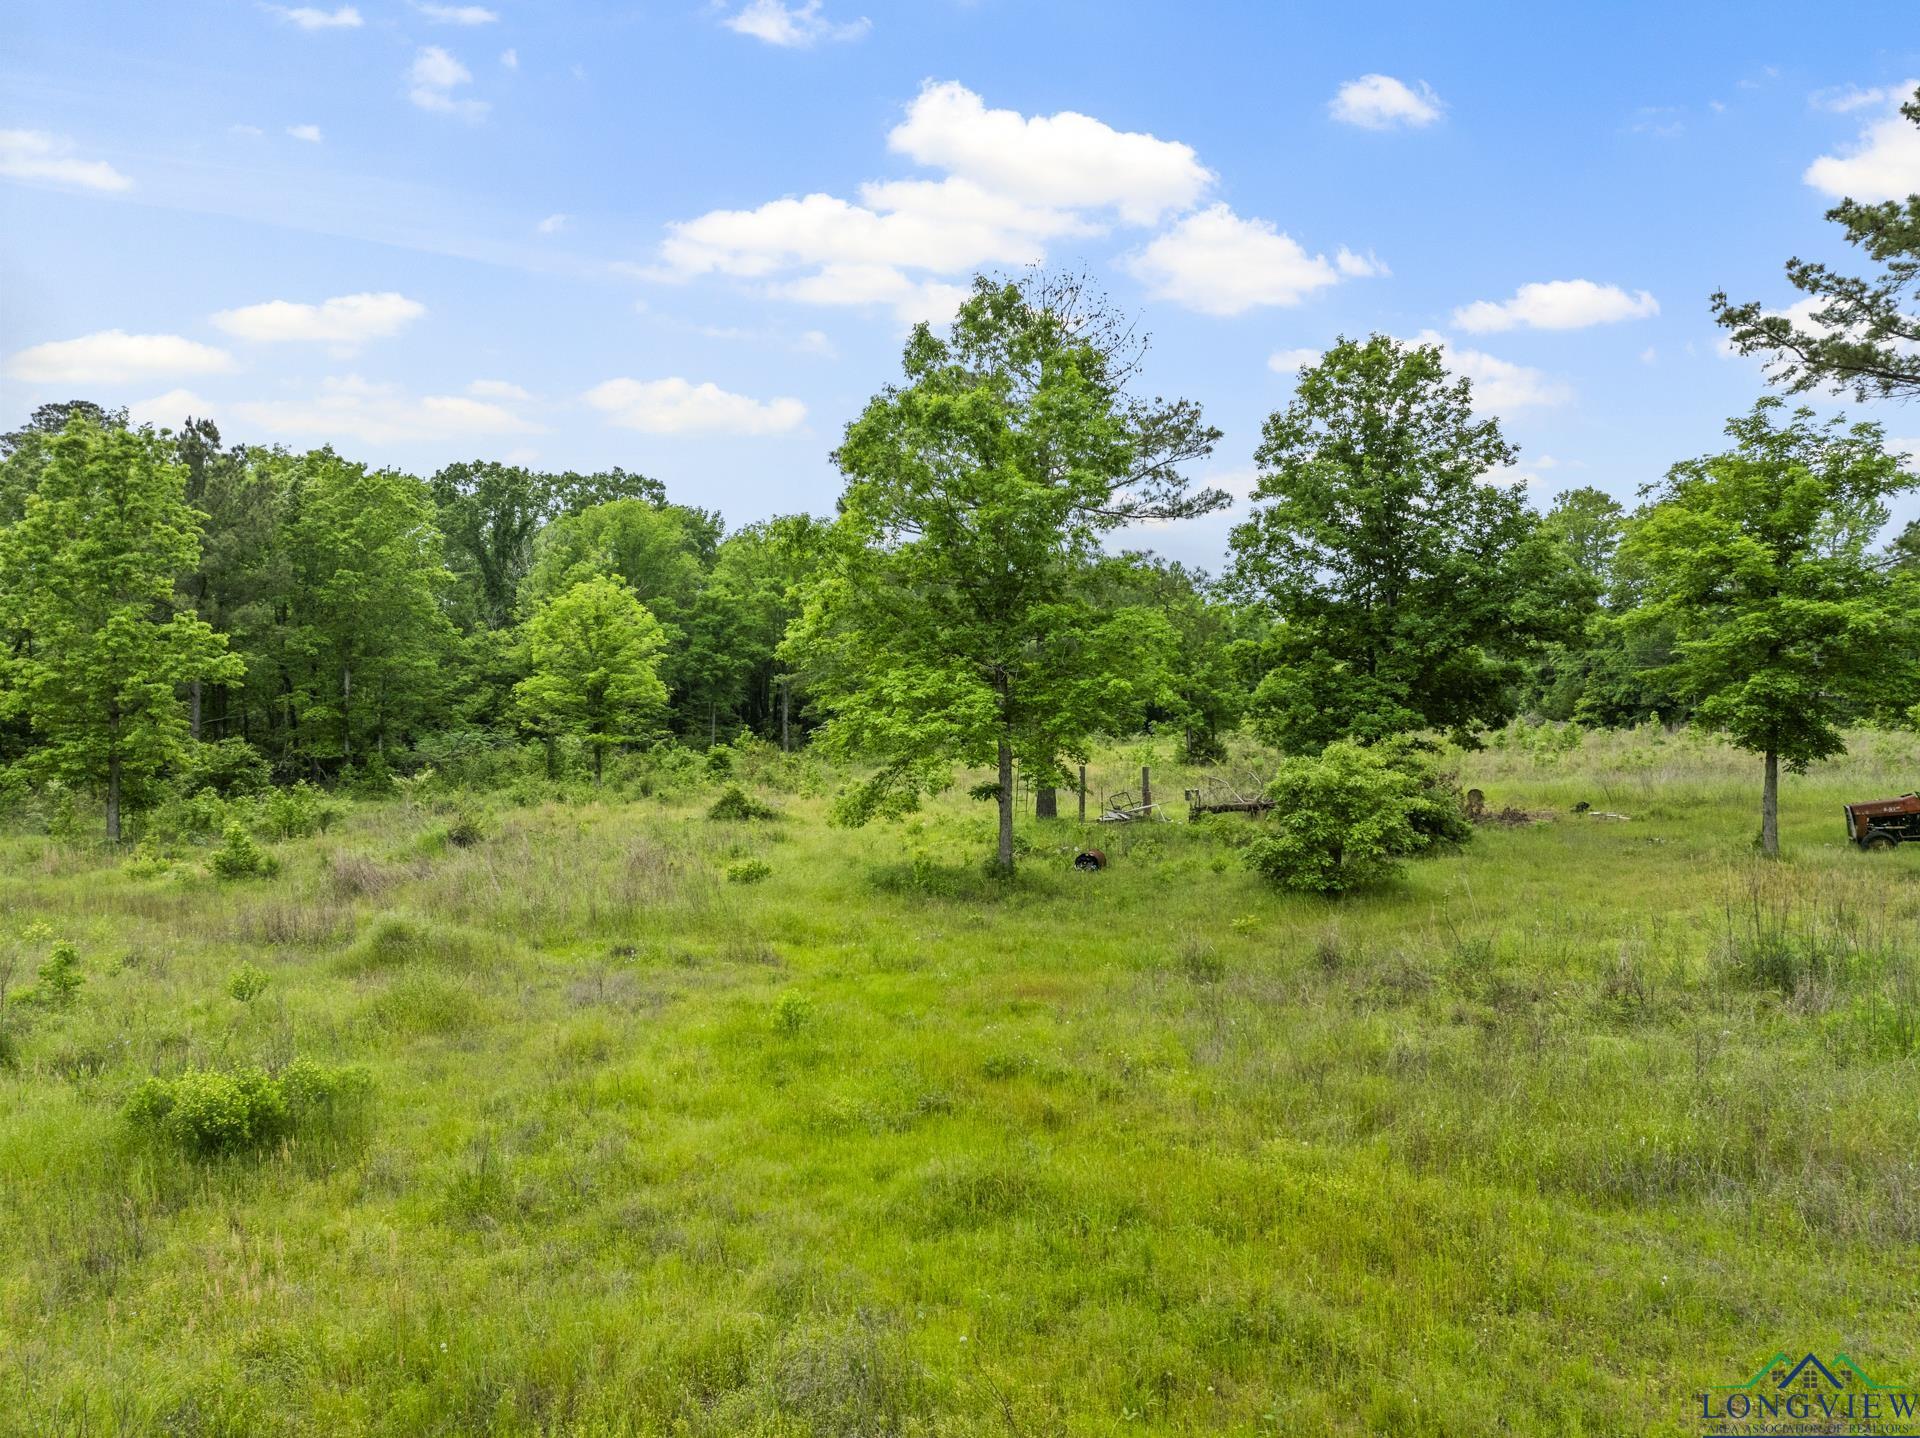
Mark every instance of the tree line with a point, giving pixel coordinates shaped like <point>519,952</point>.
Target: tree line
<point>969,605</point>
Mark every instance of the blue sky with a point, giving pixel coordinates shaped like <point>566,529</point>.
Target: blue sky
<point>687,238</point>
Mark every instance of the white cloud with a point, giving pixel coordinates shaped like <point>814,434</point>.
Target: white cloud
<point>676,406</point>
<point>1013,186</point>
<point>169,410</point>
<point>1649,356</point>
<point>36,155</point>
<point>1063,161</point>
<point>498,389</point>
<point>309,133</point>
<point>1219,264</point>
<point>112,356</point>
<point>1557,305</point>
<point>342,320</point>
<point>554,224</point>
<point>793,26</point>
<point>510,58</point>
<point>1380,102</point>
<point>250,132</point>
<point>309,18</point>
<point>1292,361</point>
<point>1843,99</point>
<point>351,408</point>
<point>911,300</point>
<point>1883,163</point>
<point>1499,385</point>
<point>945,225</point>
<point>1360,267</point>
<point>432,80</point>
<point>457,14</point>
<point>811,342</point>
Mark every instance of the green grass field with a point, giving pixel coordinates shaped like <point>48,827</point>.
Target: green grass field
<point>1546,1139</point>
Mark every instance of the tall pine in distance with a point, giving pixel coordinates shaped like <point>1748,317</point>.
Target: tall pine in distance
<point>101,648</point>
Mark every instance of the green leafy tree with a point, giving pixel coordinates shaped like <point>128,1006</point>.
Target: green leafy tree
<point>489,514</point>
<point>664,553</point>
<point>954,622</point>
<point>594,652</point>
<point>1859,336</point>
<point>366,640</point>
<point>1206,695</point>
<point>1404,586</point>
<point>88,578</point>
<point>1785,624</point>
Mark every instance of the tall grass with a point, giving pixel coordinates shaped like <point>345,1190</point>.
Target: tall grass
<point>1543,1139</point>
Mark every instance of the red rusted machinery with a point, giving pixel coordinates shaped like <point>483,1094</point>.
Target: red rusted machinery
<point>1882,823</point>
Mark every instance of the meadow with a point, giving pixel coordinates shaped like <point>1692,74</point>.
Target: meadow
<point>685,1126</point>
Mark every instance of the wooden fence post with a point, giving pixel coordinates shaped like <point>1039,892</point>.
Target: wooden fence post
<point>1146,787</point>
<point>1083,793</point>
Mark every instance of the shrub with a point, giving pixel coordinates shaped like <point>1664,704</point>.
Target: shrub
<point>207,1112</point>
<point>748,871</point>
<point>247,982</point>
<point>1340,819</point>
<point>466,828</point>
<point>296,813</point>
<point>792,1013</point>
<point>146,861</point>
<point>238,857</point>
<point>228,767</point>
<point>60,978</point>
<point>1438,813</point>
<point>736,803</point>
<point>719,762</point>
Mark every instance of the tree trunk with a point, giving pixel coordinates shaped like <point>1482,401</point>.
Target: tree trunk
<point>113,799</point>
<point>553,757</point>
<point>1046,802</point>
<point>1004,859</point>
<point>193,711</point>
<point>1770,807</point>
<point>786,710</point>
<point>346,711</point>
<point>599,758</point>
<point>1083,793</point>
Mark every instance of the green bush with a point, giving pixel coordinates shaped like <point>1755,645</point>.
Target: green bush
<point>238,857</point>
<point>206,1112</point>
<point>792,1013</point>
<point>1438,813</point>
<point>229,767</point>
<point>296,813</point>
<point>748,871</point>
<point>146,861</point>
<point>1340,820</point>
<point>466,828</point>
<point>736,803</point>
<point>719,762</point>
<point>247,982</point>
<point>60,978</point>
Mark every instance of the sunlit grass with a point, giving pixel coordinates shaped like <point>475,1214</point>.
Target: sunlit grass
<point>1543,1139</point>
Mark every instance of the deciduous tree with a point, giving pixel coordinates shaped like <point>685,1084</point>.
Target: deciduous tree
<point>594,652</point>
<point>1786,624</point>
<point>954,623</point>
<point>1404,581</point>
<point>88,578</point>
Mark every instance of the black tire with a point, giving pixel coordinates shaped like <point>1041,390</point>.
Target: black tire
<point>1878,841</point>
